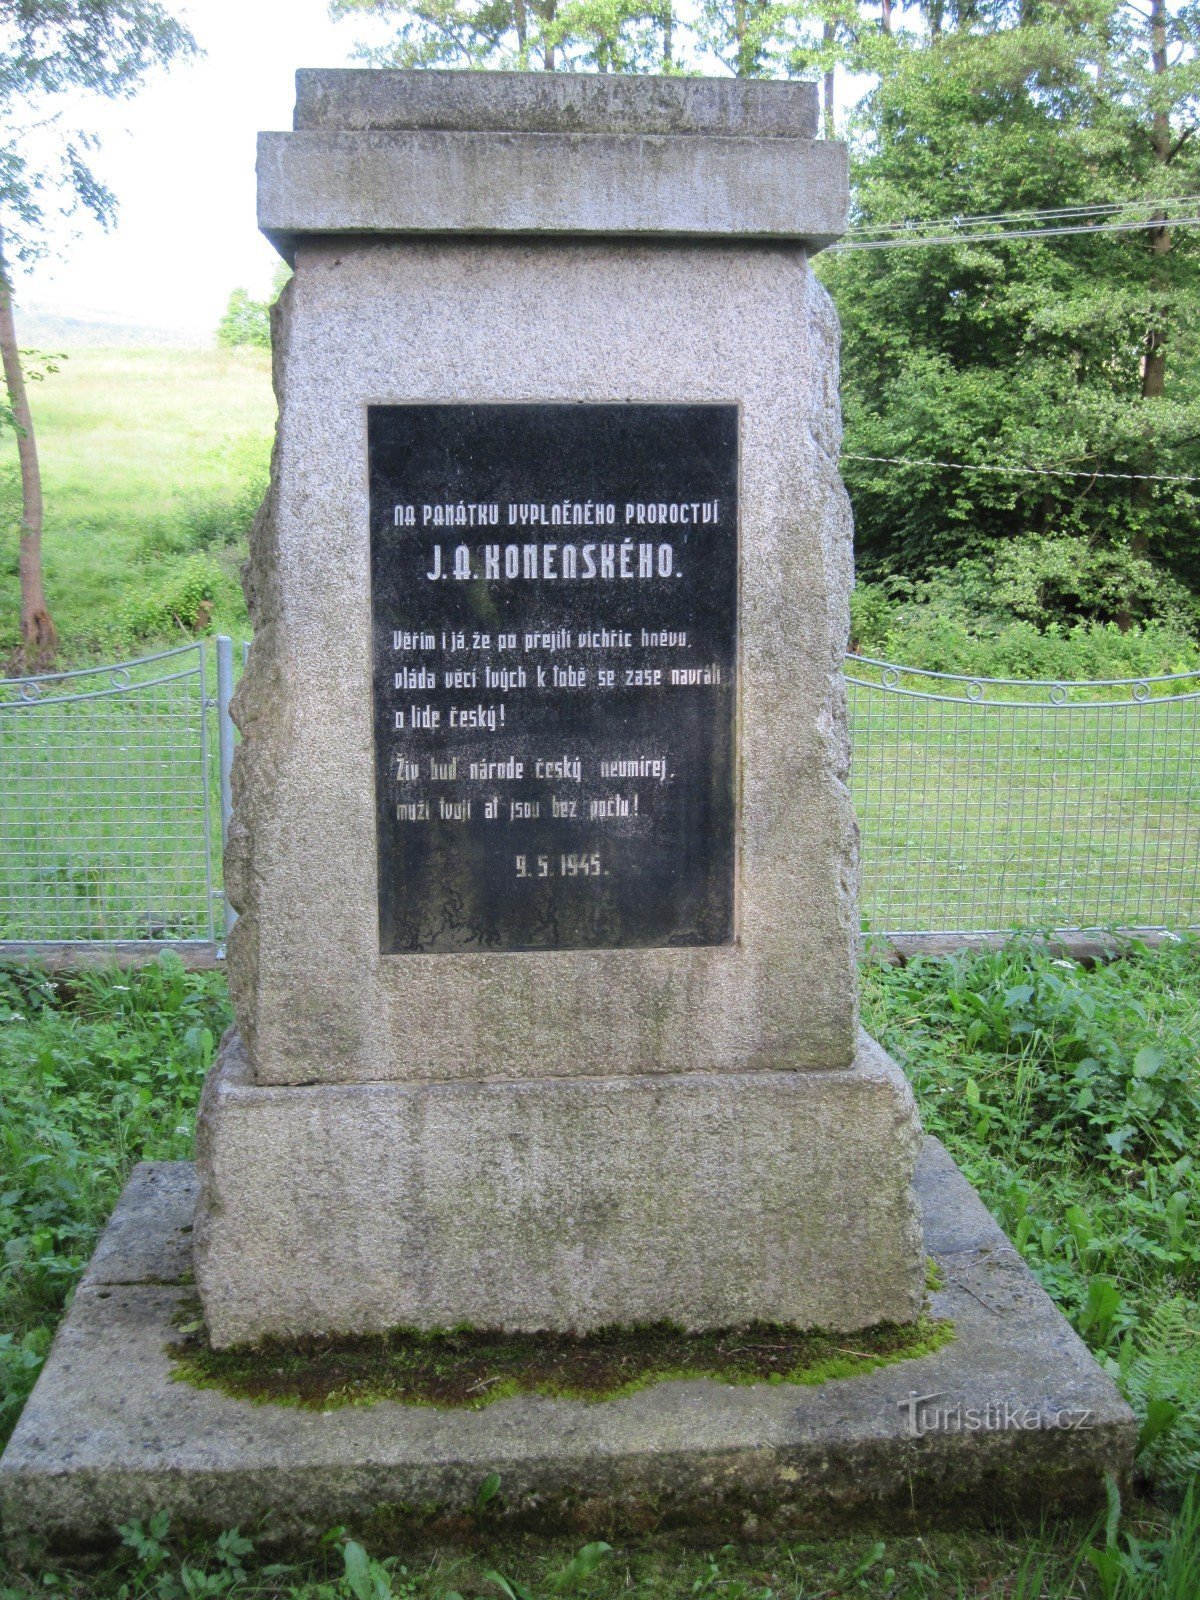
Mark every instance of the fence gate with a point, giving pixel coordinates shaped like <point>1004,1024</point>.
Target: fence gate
<point>108,820</point>
<point>988,804</point>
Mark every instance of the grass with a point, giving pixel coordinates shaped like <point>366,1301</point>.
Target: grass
<point>1070,1096</point>
<point>994,816</point>
<point>153,463</point>
<point>110,825</point>
<point>935,1566</point>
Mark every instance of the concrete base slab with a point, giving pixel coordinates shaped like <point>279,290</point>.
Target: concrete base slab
<point>1013,1416</point>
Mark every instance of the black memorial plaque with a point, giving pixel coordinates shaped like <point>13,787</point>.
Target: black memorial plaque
<point>554,601</point>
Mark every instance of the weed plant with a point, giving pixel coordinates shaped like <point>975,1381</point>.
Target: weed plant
<point>1071,1098</point>
<point>97,1073</point>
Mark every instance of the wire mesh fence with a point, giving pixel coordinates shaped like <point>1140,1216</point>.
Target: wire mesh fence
<point>988,804</point>
<point>985,804</point>
<point>106,803</point>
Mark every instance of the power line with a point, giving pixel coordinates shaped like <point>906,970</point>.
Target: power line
<point>1056,213</point>
<point>1029,472</point>
<point>1013,233</point>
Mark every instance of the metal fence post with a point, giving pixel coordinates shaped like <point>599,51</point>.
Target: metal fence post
<point>225,749</point>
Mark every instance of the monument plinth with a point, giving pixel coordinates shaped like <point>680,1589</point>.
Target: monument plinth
<point>542,851</point>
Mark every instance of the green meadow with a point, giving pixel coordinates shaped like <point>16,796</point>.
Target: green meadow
<point>153,463</point>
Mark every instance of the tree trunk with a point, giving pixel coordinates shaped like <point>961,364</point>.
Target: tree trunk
<point>739,35</point>
<point>827,96</point>
<point>547,40</point>
<point>39,637</point>
<point>668,33</point>
<point>885,16</point>
<point>1154,363</point>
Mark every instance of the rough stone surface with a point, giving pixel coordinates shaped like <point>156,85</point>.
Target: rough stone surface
<point>108,1436</point>
<point>418,181</point>
<point>703,1199</point>
<point>553,102</point>
<point>138,1246</point>
<point>459,320</point>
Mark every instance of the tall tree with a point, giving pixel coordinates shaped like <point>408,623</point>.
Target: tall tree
<point>48,47</point>
<point>753,38</point>
<point>1077,352</point>
<point>600,35</point>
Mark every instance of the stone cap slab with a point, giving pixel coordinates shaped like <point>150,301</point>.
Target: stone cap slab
<point>388,154</point>
<point>365,98</point>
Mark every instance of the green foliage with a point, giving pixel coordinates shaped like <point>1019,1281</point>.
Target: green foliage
<point>1159,1371</point>
<point>1153,1562</point>
<point>1133,1568</point>
<point>51,47</point>
<point>10,520</point>
<point>183,601</point>
<point>1026,352</point>
<point>218,1571</point>
<point>1063,354</point>
<point>219,516</point>
<point>968,620</point>
<point>565,1581</point>
<point>1072,1100</point>
<point>247,322</point>
<point>608,35</point>
<point>1066,1093</point>
<point>95,1074</point>
<point>182,475</point>
<point>753,38</point>
<point>1046,579</point>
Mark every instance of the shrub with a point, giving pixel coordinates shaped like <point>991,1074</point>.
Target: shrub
<point>95,1074</point>
<point>950,623</point>
<point>1072,1100</point>
<point>184,600</point>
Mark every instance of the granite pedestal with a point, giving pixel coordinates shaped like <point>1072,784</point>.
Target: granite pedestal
<point>1013,1418</point>
<point>563,1121</point>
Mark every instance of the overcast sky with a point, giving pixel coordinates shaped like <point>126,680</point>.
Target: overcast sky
<point>180,159</point>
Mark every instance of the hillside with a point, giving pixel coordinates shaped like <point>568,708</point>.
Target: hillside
<point>153,462</point>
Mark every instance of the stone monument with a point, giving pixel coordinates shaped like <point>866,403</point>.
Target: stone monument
<point>545,866</point>
<point>542,847</point>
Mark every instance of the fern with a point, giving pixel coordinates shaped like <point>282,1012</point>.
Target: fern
<point>1161,1380</point>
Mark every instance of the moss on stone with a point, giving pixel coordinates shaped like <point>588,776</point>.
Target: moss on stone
<point>473,1368</point>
